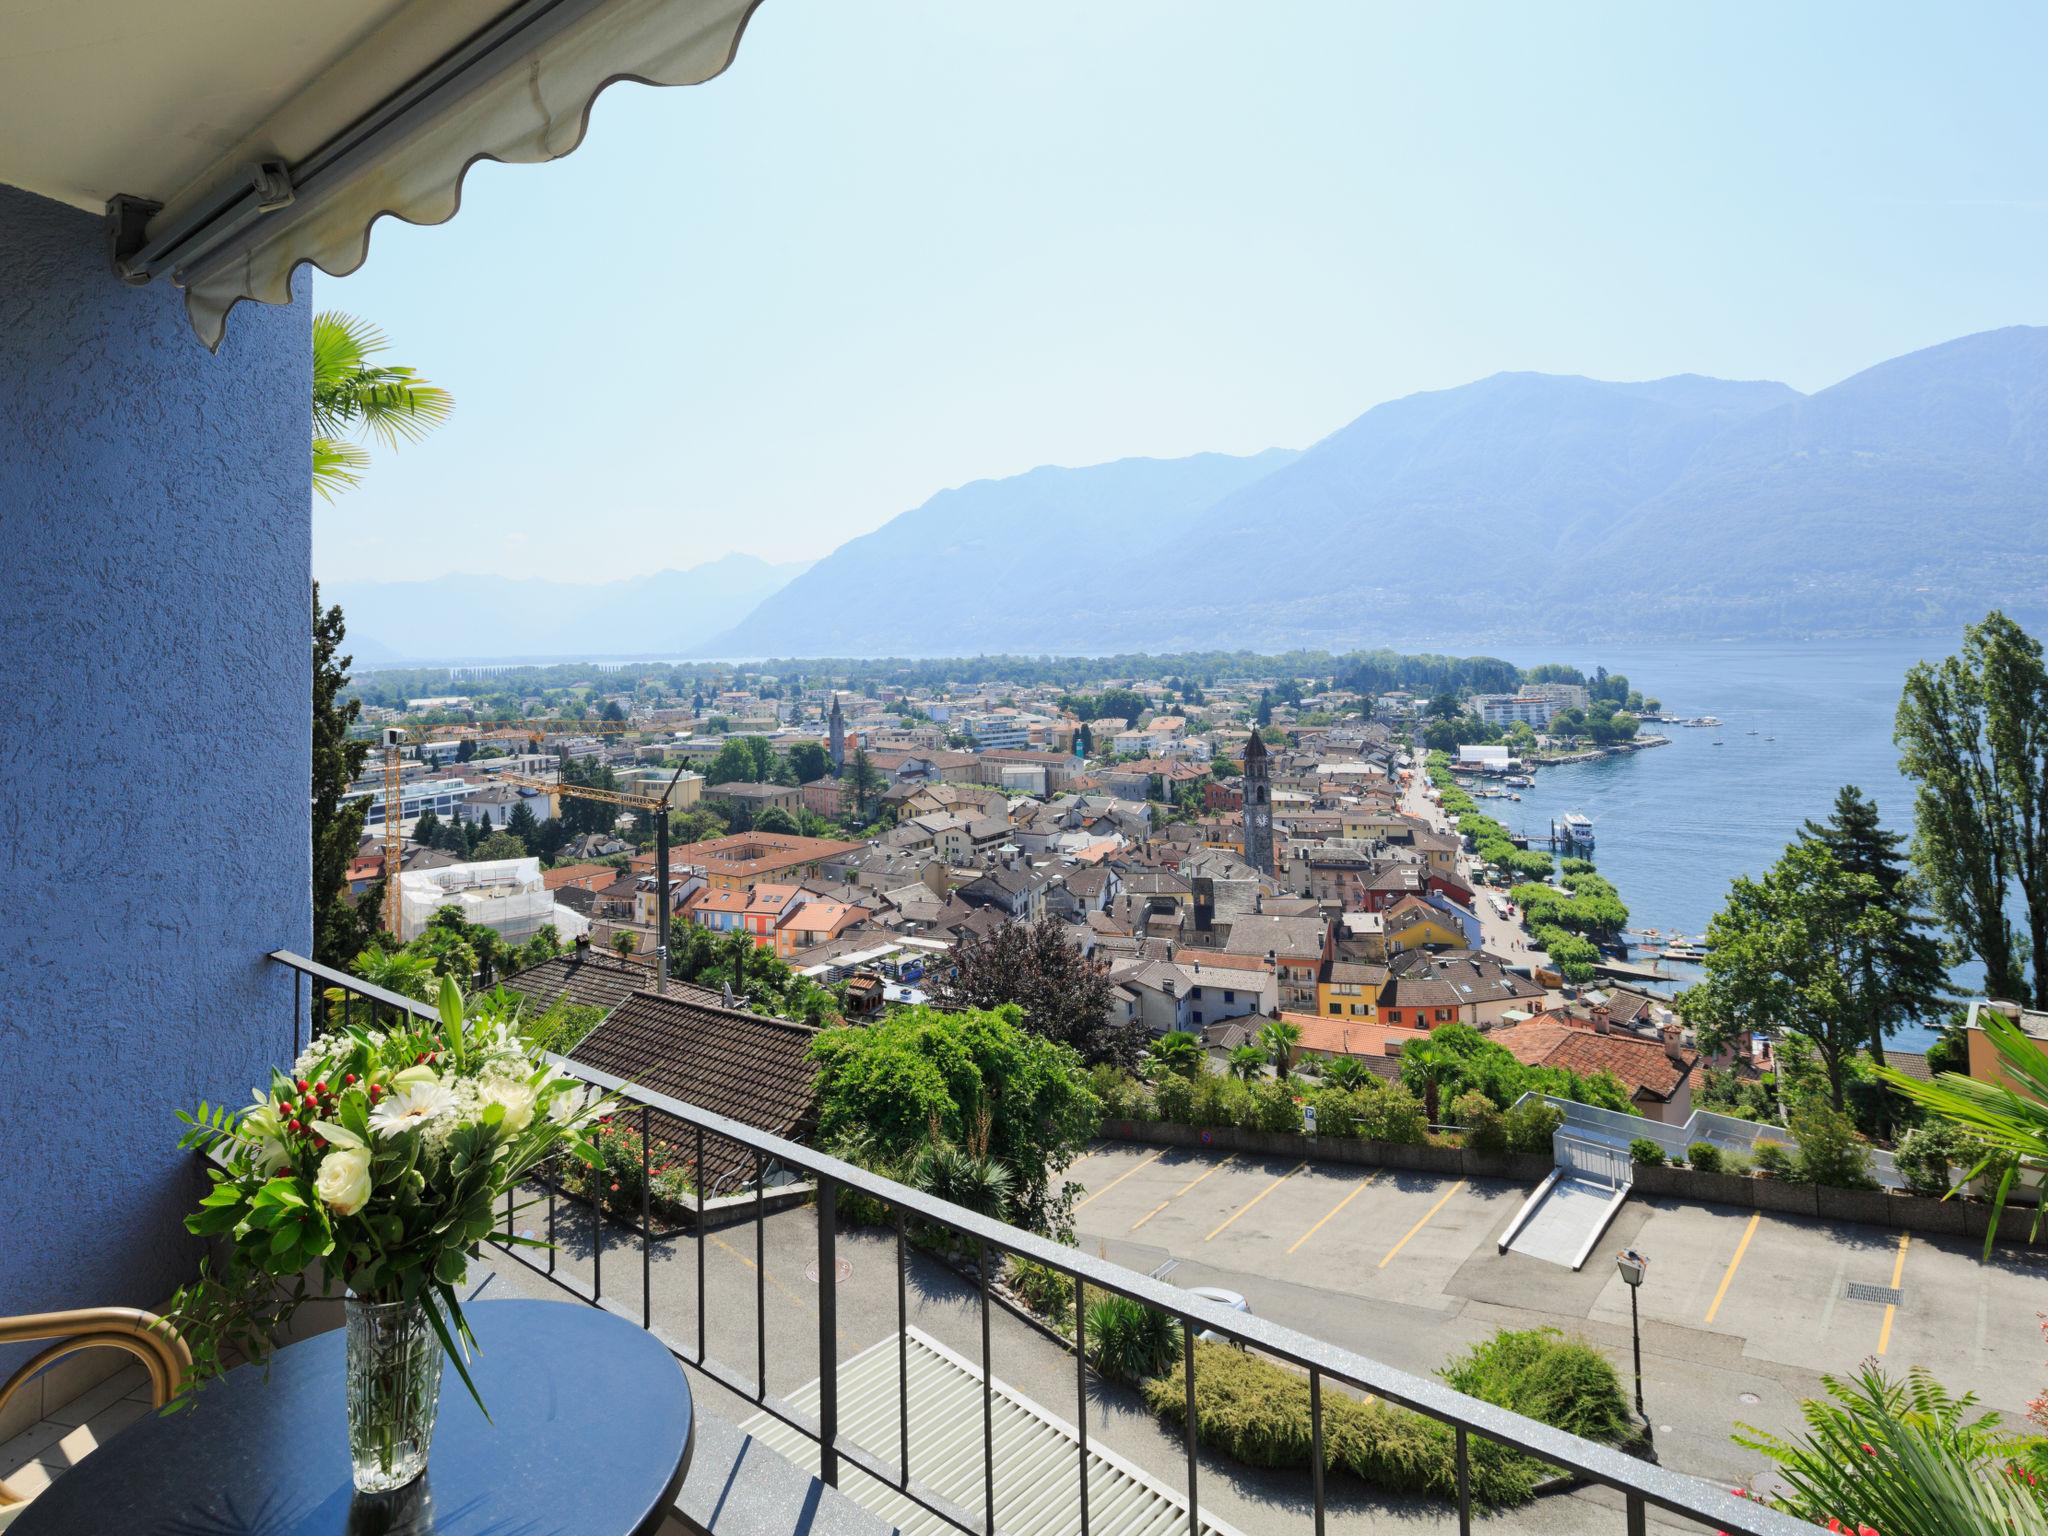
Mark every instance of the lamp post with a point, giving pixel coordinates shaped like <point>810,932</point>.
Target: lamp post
<point>1634,1267</point>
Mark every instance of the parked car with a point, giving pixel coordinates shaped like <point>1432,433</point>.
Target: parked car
<point>1229,1299</point>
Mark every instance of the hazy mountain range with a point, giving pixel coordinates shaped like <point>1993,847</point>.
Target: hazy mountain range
<point>501,618</point>
<point>1911,496</point>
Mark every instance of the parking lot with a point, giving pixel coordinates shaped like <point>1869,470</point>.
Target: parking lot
<point>1741,1313</point>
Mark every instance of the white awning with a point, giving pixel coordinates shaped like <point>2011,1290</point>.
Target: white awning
<point>232,142</point>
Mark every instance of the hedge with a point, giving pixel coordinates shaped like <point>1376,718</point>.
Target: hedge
<point>1257,1412</point>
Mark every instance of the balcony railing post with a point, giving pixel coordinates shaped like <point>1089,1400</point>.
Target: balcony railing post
<point>646,1219</point>
<point>1464,1483</point>
<point>902,1352</point>
<point>298,1008</point>
<point>697,1178</point>
<point>1638,1514</point>
<point>760,1277</point>
<point>1187,1361</point>
<point>597,1194</point>
<point>1081,1389</point>
<point>988,1401</point>
<point>828,1332</point>
<point>1315,1441</point>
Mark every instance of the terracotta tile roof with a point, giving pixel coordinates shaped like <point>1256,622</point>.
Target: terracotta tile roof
<point>1352,1037</point>
<point>738,1064</point>
<point>576,874</point>
<point>1641,1065</point>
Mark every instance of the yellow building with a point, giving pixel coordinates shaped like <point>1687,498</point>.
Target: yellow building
<point>1348,990</point>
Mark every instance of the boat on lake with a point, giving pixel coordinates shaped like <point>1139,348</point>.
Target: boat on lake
<point>1577,827</point>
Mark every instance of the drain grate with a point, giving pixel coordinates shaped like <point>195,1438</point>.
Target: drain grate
<point>1888,1295</point>
<point>1165,1269</point>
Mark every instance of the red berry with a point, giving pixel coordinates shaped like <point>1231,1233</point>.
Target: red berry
<point>320,1142</point>
<point>284,1106</point>
<point>350,1080</point>
<point>296,1127</point>
<point>419,1058</point>
<point>284,1173</point>
<point>303,1085</point>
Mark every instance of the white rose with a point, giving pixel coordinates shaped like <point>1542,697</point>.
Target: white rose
<point>344,1180</point>
<point>514,1097</point>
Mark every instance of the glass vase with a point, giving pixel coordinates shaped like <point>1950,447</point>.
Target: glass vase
<point>394,1391</point>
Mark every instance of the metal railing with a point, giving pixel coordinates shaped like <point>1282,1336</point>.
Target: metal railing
<point>1641,1484</point>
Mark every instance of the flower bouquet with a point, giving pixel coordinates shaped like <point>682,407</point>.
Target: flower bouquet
<point>383,1156</point>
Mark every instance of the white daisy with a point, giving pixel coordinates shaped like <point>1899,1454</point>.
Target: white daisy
<point>411,1106</point>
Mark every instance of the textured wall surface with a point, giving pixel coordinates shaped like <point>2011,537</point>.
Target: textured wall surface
<point>155,595</point>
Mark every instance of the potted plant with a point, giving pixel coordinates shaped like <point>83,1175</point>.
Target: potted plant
<point>382,1157</point>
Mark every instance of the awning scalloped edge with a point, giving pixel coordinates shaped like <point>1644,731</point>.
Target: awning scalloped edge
<point>535,110</point>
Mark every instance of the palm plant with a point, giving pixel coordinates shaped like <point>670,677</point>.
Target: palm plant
<point>1905,1458</point>
<point>1129,1341</point>
<point>1247,1062</point>
<point>2012,1127</point>
<point>964,1177</point>
<point>1346,1072</point>
<point>1427,1065</point>
<point>1280,1037</point>
<point>353,395</point>
<point>1176,1051</point>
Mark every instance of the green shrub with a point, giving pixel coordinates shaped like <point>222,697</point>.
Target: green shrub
<point>1545,1375</point>
<point>1705,1156</point>
<point>1045,1290</point>
<point>1773,1159</point>
<point>1131,1342</point>
<point>1830,1151</point>
<point>1484,1130</point>
<point>1256,1412</point>
<point>1173,1099</point>
<point>1646,1153</point>
<point>1123,1096</point>
<point>1388,1112</point>
<point>1531,1124</point>
<point>1272,1107</point>
<point>1926,1154</point>
<point>1336,1111</point>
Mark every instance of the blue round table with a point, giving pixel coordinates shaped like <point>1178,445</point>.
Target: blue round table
<point>591,1435</point>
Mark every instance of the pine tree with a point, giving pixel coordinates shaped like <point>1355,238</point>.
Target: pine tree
<point>1905,978</point>
<point>341,929</point>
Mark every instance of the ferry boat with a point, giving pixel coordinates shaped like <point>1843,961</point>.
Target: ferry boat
<point>1577,826</point>
<point>1519,781</point>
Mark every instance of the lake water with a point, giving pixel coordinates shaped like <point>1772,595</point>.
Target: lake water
<point>1674,825</point>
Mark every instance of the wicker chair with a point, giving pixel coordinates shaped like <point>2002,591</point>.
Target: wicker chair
<point>142,1334</point>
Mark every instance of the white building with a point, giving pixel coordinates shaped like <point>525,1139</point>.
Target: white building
<point>444,797</point>
<point>507,896</point>
<point>1511,708</point>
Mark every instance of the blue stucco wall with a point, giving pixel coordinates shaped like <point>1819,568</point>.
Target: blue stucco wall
<point>155,593</point>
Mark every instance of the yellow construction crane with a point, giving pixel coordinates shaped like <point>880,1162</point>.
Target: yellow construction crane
<point>655,803</point>
<point>396,738</point>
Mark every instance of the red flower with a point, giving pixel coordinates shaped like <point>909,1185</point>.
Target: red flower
<point>615,1189</point>
<point>1869,1449</point>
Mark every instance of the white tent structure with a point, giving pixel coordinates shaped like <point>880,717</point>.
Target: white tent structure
<point>505,895</point>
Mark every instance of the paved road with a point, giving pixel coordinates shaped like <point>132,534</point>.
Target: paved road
<point>1742,1313</point>
<point>1498,935</point>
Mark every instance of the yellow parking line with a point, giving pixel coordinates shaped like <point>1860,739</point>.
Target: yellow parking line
<point>1884,1335</point>
<point>1112,1184</point>
<point>1255,1199</point>
<point>1735,1263</point>
<point>1191,1183</point>
<point>1212,1168</point>
<point>1312,1231</point>
<point>1442,1201</point>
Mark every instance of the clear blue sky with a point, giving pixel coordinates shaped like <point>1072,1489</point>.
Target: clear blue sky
<point>900,245</point>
